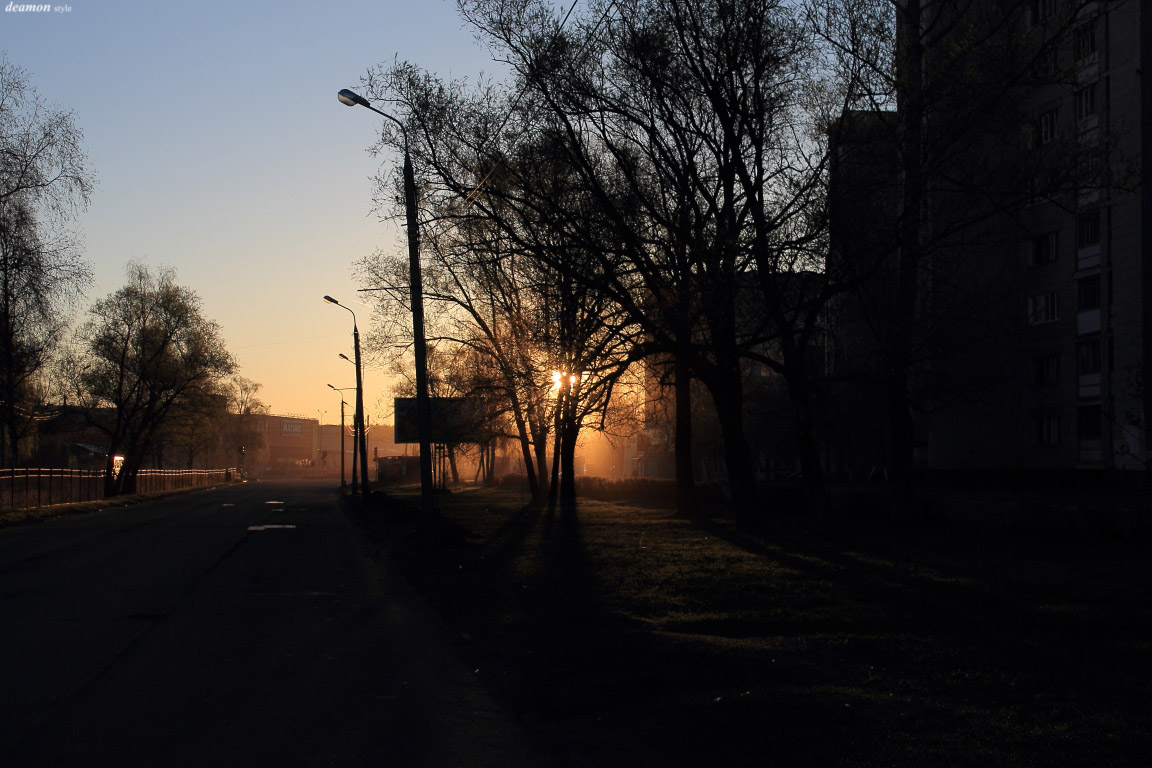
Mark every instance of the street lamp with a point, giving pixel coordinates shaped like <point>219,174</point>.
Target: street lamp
<point>420,346</point>
<point>320,457</point>
<point>358,419</point>
<point>342,404</point>
<point>355,432</point>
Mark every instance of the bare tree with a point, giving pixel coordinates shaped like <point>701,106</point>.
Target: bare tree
<point>476,306</point>
<point>44,181</point>
<point>554,348</point>
<point>195,429</point>
<point>148,356</point>
<point>696,134</point>
<point>244,396</point>
<point>242,437</point>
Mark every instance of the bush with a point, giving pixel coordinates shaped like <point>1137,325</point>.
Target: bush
<point>605,489</point>
<point>626,489</point>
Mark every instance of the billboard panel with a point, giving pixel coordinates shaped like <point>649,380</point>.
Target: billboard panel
<point>454,420</point>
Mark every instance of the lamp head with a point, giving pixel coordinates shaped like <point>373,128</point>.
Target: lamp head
<point>351,98</point>
<point>331,300</point>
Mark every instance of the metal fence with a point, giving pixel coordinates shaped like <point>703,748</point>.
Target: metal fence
<point>27,487</point>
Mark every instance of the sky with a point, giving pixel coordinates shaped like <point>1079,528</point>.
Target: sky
<point>220,149</point>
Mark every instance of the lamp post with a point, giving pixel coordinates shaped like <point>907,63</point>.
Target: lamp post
<point>358,418</point>
<point>420,347</point>
<point>342,404</point>
<point>320,439</point>
<point>355,434</point>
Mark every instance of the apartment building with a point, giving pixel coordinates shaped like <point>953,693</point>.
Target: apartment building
<point>1035,298</point>
<point>1088,303</point>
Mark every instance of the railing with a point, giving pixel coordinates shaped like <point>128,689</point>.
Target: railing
<point>23,488</point>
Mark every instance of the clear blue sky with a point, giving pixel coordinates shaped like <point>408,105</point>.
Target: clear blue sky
<point>220,149</point>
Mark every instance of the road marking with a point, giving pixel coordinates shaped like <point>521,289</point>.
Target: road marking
<point>267,527</point>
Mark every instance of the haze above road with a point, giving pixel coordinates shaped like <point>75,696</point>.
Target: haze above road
<point>237,626</point>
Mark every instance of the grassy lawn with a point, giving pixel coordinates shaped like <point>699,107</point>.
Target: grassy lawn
<point>632,638</point>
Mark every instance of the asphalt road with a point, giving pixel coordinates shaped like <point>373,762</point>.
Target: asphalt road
<point>239,626</point>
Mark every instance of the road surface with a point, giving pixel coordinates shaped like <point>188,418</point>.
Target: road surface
<point>238,626</point>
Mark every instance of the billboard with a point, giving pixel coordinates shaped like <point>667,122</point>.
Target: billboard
<point>454,420</point>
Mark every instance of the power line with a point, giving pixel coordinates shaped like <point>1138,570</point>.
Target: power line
<point>290,341</point>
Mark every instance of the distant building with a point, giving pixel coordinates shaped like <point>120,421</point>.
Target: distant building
<point>289,442</point>
<point>282,444</point>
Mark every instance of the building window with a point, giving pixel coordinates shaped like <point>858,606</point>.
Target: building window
<point>1048,429</point>
<point>1048,126</point>
<point>1047,63</point>
<point>1088,425</point>
<point>1088,293</point>
<point>1088,240</point>
<point>1088,229</point>
<point>1043,308</point>
<point>1088,356</point>
<point>1086,103</point>
<point>1084,40</point>
<point>1091,165</point>
<point>1044,249</point>
<point>1046,370</point>
<point>1038,11</point>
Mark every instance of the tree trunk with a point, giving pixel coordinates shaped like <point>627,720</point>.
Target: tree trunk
<point>540,449</point>
<point>686,506</point>
<point>110,488</point>
<point>557,446</point>
<point>568,471</point>
<point>728,395</point>
<point>127,480</point>
<point>9,440</point>
<point>452,464</point>
<point>903,438</point>
<point>811,468</point>
<point>910,72</point>
<point>12,445</point>
<point>525,447</point>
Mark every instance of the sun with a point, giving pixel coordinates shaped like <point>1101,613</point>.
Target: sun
<point>558,379</point>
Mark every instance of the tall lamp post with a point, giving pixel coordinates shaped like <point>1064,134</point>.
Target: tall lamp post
<point>321,459</point>
<point>355,438</point>
<point>342,404</point>
<point>420,347</point>
<point>358,419</point>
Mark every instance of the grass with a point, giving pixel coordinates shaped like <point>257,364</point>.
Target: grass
<point>632,638</point>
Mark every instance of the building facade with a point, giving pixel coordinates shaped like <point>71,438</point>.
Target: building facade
<point>1086,302</point>
<point>1034,313</point>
